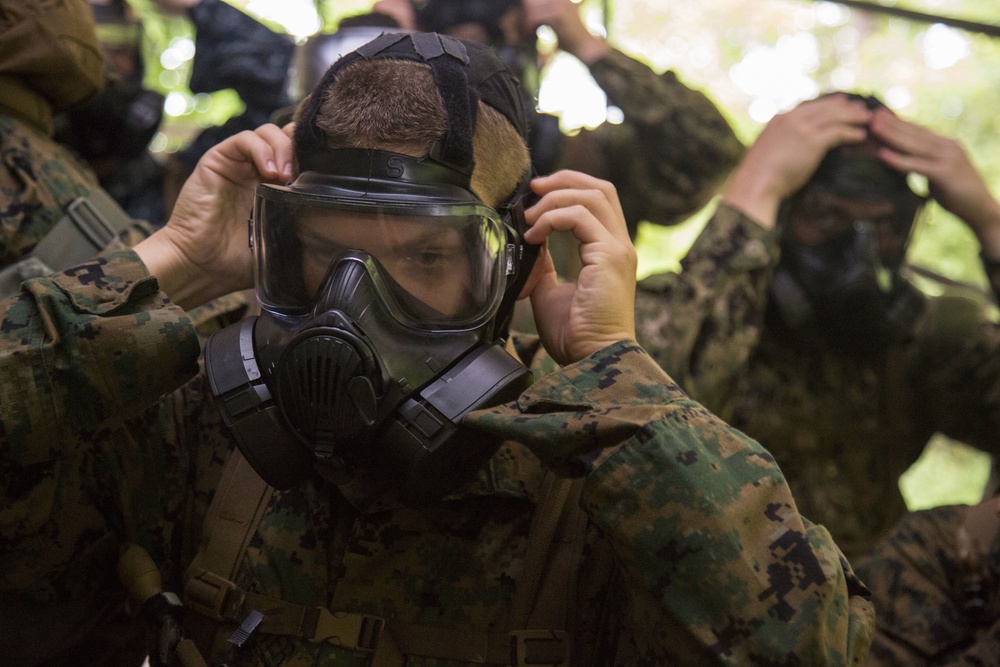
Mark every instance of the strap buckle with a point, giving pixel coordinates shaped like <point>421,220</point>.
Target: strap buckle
<point>212,596</point>
<point>98,217</point>
<point>358,632</point>
<point>539,647</point>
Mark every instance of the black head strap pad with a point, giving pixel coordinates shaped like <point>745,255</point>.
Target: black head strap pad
<point>465,72</point>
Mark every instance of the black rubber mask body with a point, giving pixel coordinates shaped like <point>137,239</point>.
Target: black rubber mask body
<point>840,292</point>
<point>349,387</point>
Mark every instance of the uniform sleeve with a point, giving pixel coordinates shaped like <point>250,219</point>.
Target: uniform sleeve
<point>700,325</point>
<point>671,152</point>
<point>92,344</point>
<point>934,588</point>
<point>88,457</point>
<point>720,567</point>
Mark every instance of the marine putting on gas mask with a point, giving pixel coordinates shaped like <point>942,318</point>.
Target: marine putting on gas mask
<point>386,286</point>
<point>844,237</point>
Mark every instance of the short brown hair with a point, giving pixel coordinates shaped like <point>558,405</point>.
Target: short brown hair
<point>391,104</point>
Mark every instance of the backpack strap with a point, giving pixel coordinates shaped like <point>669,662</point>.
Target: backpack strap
<point>542,600</point>
<point>546,590</point>
<point>230,524</point>
<point>90,224</point>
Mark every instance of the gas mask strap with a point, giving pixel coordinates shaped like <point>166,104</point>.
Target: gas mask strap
<point>448,59</point>
<point>525,256</point>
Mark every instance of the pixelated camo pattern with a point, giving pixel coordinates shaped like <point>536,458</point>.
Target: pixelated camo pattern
<point>694,551</point>
<point>935,592</point>
<point>841,429</point>
<point>38,179</point>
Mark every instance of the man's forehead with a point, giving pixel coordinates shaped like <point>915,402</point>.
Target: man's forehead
<point>373,228</point>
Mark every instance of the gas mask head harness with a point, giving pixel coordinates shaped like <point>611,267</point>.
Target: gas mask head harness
<point>844,237</point>
<point>386,287</point>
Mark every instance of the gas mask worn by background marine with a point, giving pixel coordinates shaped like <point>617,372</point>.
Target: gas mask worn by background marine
<point>846,290</point>
<point>386,288</point>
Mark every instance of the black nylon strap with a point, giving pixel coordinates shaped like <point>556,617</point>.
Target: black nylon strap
<point>427,45</point>
<point>448,59</point>
<point>380,43</point>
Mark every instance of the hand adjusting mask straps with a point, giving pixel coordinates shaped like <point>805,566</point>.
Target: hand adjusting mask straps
<point>405,428</point>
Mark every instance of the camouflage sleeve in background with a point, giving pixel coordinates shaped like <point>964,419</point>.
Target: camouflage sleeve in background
<point>38,180</point>
<point>720,567</point>
<point>701,324</point>
<point>83,353</point>
<point>937,601</point>
<point>670,154</point>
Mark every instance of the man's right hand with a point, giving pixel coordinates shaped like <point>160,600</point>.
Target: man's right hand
<point>788,151</point>
<point>202,252</point>
<point>954,181</point>
<point>579,318</point>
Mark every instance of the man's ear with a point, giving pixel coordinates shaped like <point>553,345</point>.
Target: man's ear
<point>543,265</point>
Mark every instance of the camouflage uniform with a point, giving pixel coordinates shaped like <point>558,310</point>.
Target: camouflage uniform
<point>934,581</point>
<point>669,156</point>
<point>842,430</point>
<point>694,551</point>
<point>49,60</point>
<point>38,180</point>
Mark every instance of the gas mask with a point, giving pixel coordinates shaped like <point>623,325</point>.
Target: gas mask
<point>386,287</point>
<point>845,290</point>
<point>844,237</point>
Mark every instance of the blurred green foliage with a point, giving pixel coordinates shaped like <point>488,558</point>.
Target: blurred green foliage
<point>873,53</point>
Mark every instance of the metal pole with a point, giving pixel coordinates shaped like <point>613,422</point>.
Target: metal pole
<point>970,26</point>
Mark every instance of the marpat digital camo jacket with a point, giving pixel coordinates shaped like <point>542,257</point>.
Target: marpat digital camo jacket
<point>695,552</point>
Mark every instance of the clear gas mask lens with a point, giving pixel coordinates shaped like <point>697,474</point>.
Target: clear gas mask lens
<point>434,266</point>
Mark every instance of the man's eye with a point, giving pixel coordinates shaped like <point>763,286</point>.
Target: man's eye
<point>431,256</point>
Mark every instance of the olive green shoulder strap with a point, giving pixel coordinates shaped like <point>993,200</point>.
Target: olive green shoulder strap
<point>543,598</point>
<point>232,519</point>
<point>89,225</point>
<point>546,591</point>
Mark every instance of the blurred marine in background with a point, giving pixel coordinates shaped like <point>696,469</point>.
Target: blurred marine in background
<point>112,132</point>
<point>53,212</point>
<point>797,318</point>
